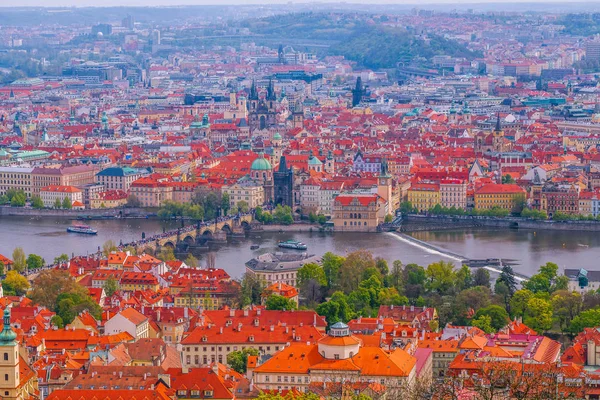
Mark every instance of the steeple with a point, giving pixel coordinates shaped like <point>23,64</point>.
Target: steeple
<point>498,124</point>
<point>282,164</point>
<point>271,90</point>
<point>7,336</point>
<point>384,170</point>
<point>253,93</point>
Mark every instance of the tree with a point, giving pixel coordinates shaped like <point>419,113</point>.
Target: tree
<point>440,277</point>
<point>67,204</point>
<point>283,215</point>
<point>507,179</point>
<point>57,204</point>
<point>34,262</point>
<point>331,266</point>
<point>225,203</point>
<point>388,219</point>
<point>251,288</point>
<point>518,303</point>
<point>52,283</point>
<point>484,322</point>
<point>538,314</point>
<point>507,276</point>
<point>464,279</point>
<point>481,277</point>
<point>586,319</point>
<point>336,309</point>
<point>238,360</point>
<point>243,206</point>
<point>36,202</point>
<point>192,261</point>
<point>70,304</point>
<point>546,280</point>
<point>15,283</point>
<point>498,315</point>
<point>166,254</point>
<point>277,302</point>
<point>57,321</point>
<point>19,199</point>
<point>63,258</point>
<point>566,305</point>
<point>19,260</point>
<point>133,201</point>
<point>352,269</point>
<point>108,247</point>
<point>111,286</point>
<point>311,271</point>
<point>2,268</point>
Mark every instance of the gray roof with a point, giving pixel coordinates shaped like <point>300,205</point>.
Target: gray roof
<point>573,274</point>
<point>281,262</point>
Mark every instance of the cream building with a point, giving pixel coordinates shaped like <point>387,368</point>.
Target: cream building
<point>16,178</point>
<point>50,194</point>
<point>245,189</point>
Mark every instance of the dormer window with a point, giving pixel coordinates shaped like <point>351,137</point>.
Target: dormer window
<point>208,393</point>
<point>251,338</point>
<point>204,339</point>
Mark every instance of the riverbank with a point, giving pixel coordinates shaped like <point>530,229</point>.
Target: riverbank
<point>420,223</point>
<point>291,228</point>
<point>8,211</point>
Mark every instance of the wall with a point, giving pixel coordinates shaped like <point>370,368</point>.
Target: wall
<point>32,212</point>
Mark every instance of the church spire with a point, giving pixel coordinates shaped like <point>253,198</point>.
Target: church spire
<point>498,124</point>
<point>7,336</point>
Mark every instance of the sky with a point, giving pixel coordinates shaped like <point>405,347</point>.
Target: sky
<point>145,3</point>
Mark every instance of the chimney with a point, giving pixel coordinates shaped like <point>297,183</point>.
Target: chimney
<point>315,319</point>
<point>158,315</point>
<point>221,330</point>
<point>231,312</point>
<point>145,376</point>
<point>286,329</point>
<point>185,312</point>
<point>272,328</point>
<point>240,327</point>
<point>412,308</point>
<point>245,312</point>
<point>120,374</point>
<point>258,311</point>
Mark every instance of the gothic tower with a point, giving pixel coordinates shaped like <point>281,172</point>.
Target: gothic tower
<point>498,138</point>
<point>384,184</point>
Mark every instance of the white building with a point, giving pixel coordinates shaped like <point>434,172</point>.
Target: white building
<point>128,320</point>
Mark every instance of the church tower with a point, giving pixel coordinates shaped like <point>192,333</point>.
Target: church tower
<point>330,163</point>
<point>9,361</point>
<point>298,115</point>
<point>277,147</point>
<point>498,137</point>
<point>384,184</point>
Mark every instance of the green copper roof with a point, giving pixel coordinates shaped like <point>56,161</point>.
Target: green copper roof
<point>7,336</point>
<point>261,164</point>
<point>276,136</point>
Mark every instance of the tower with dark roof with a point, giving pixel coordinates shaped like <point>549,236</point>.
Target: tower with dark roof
<point>283,182</point>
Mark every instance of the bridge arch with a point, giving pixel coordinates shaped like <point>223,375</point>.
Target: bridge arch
<point>207,233</point>
<point>246,225</point>
<point>226,228</point>
<point>169,244</point>
<point>189,240</point>
<point>149,250</point>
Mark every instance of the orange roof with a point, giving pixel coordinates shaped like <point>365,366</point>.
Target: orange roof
<point>133,315</point>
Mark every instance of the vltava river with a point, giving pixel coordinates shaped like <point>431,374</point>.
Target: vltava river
<point>48,238</point>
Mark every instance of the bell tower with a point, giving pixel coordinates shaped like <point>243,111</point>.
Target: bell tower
<point>9,361</point>
<point>330,163</point>
<point>384,183</point>
<point>498,138</point>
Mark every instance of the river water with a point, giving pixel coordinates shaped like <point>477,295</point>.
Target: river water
<point>48,238</point>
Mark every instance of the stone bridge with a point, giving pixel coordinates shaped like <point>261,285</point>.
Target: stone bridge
<point>197,234</point>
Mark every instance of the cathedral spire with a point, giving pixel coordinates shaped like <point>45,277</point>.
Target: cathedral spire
<point>498,124</point>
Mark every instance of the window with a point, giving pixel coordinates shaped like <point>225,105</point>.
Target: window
<point>5,356</point>
<point>336,356</point>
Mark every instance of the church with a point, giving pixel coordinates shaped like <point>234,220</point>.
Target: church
<point>262,110</point>
<point>492,142</point>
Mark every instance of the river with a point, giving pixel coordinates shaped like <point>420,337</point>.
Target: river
<point>48,238</point>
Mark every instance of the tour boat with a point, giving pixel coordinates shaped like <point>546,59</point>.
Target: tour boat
<point>254,247</point>
<point>88,230</point>
<point>292,244</point>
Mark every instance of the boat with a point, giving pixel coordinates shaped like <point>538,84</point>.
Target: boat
<point>254,247</point>
<point>292,244</point>
<point>88,230</point>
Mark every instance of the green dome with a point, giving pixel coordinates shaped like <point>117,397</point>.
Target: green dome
<point>276,136</point>
<point>261,164</point>
<point>314,161</point>
<point>7,336</point>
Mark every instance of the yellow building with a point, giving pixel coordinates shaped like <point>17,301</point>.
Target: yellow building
<point>245,189</point>
<point>358,212</point>
<point>424,196</point>
<point>497,195</point>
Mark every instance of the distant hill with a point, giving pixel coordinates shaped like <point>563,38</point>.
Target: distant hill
<point>357,37</point>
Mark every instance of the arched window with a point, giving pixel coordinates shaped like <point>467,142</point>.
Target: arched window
<point>5,356</point>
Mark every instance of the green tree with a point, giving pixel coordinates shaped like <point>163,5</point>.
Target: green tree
<point>586,319</point>
<point>566,305</point>
<point>15,284</point>
<point>63,258</point>
<point>311,271</point>
<point>481,277</point>
<point>538,314</point>
<point>507,276</point>
<point>277,302</point>
<point>546,280</point>
<point>70,304</point>
<point>166,254</point>
<point>49,284</point>
<point>57,321</point>
<point>57,204</point>
<point>238,360</point>
<point>464,279</point>
<point>283,215</point>
<point>111,286</point>
<point>192,261</point>
<point>336,309</point>
<point>331,266</point>
<point>440,277</point>
<point>108,247</point>
<point>19,260</point>
<point>498,315</point>
<point>251,288</point>
<point>2,268</point>
<point>388,218</point>
<point>34,262</point>
<point>36,202</point>
<point>18,200</point>
<point>518,303</point>
<point>225,203</point>
<point>67,204</point>
<point>243,206</point>
<point>507,179</point>
<point>353,268</point>
<point>484,322</point>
